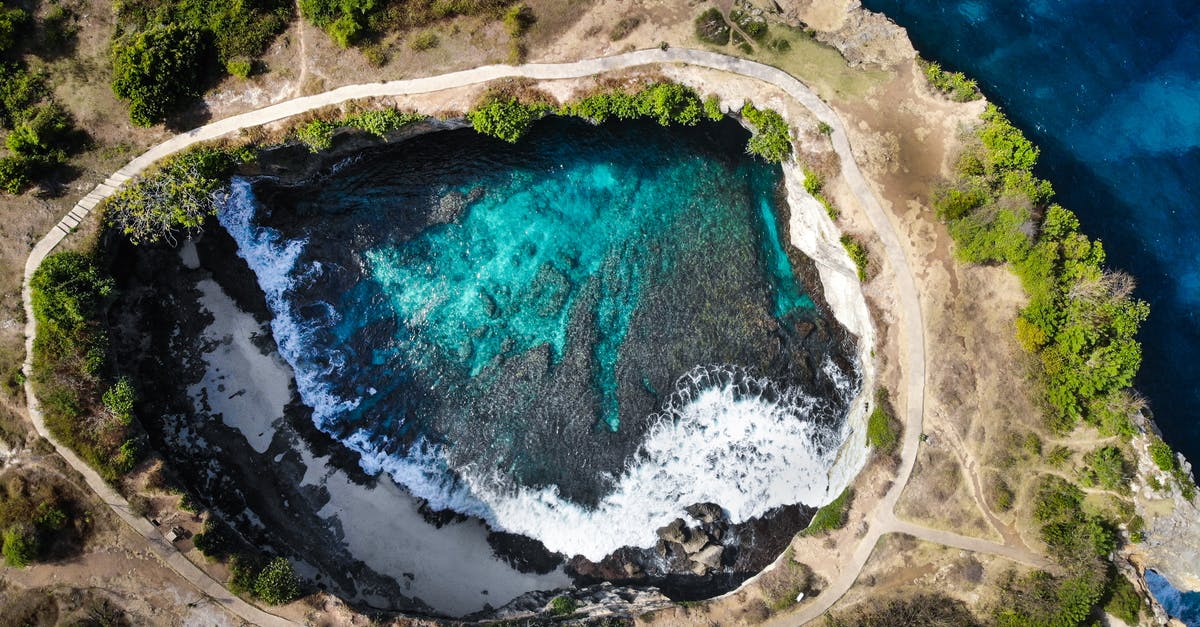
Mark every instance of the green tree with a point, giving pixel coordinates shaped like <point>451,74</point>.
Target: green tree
<point>20,545</point>
<point>13,23</point>
<point>276,583</point>
<point>155,69</point>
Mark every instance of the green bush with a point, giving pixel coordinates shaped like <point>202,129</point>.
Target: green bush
<point>13,23</point>
<point>712,109</point>
<point>317,135</point>
<point>831,516</point>
<point>858,254</point>
<point>956,85</point>
<point>712,28</point>
<point>1106,467</point>
<point>154,70</point>
<point>239,67</point>
<point>15,174</point>
<point>1040,599</point>
<point>518,20</point>
<point>119,400</point>
<point>1162,456</point>
<point>20,545</point>
<point>177,196</point>
<point>563,606</point>
<point>505,119</point>
<point>216,541</point>
<point>424,40</point>
<point>1123,601</point>
<point>771,138</point>
<point>756,28</point>
<point>882,426</point>
<point>277,584</point>
<point>69,296</point>
<point>1001,495</point>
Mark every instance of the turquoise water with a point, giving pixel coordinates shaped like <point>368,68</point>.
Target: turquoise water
<point>573,337</point>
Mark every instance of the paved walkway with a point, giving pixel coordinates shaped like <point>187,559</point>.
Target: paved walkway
<point>912,333</point>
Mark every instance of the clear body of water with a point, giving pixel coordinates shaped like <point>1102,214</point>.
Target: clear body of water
<point>1111,92</point>
<point>573,337</point>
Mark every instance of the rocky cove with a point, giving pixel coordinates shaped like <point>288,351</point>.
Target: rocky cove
<point>308,485</point>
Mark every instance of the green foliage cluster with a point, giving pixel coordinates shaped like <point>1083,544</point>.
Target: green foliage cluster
<point>955,85</point>
<point>712,109</point>
<point>858,254</point>
<point>1080,542</point>
<point>771,137</point>
<point>40,132</point>
<point>505,118</point>
<point>318,134</point>
<point>883,430</point>
<point>273,581</point>
<point>157,70</point>
<point>923,609</point>
<point>1001,494</point>
<point>165,51</point>
<point>815,188</point>
<point>177,196</point>
<point>666,103</point>
<point>755,27</point>
<point>563,606</point>
<point>1106,467</point>
<point>1081,320</point>
<point>354,22</point>
<point>70,295</point>
<point>712,28</point>
<point>831,516</point>
<point>1162,456</point>
<point>37,520</point>
<point>424,40</point>
<point>216,541</point>
<point>1123,601</point>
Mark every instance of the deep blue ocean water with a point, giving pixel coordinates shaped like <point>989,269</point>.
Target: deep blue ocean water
<point>1110,90</point>
<point>572,337</point>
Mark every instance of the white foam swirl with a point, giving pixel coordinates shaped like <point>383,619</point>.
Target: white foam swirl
<point>725,437</point>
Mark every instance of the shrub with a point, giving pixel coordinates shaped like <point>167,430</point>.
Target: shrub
<point>504,119</point>
<point>153,71</point>
<point>623,27</point>
<point>243,571</point>
<point>1042,599</point>
<point>712,109</point>
<point>239,67</point>
<point>518,20</point>
<point>831,516</point>
<point>277,584</point>
<point>1055,498</point>
<point>924,609</point>
<point>858,254</point>
<point>424,40</point>
<point>954,84</point>
<point>216,541</point>
<point>20,545</point>
<point>317,135</point>
<point>782,585</point>
<point>824,129</point>
<point>119,400</point>
<point>712,28</point>
<point>771,137</point>
<point>882,427</point>
<point>1162,456</point>
<point>12,23</point>
<point>1107,468</point>
<point>15,174</point>
<point>1123,601</point>
<point>177,196</point>
<point>1001,496</point>
<point>753,26</point>
<point>1059,456</point>
<point>563,606</point>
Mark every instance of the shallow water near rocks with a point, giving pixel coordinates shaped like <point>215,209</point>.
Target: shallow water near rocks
<point>572,338</point>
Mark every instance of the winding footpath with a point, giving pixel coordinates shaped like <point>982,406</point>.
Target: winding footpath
<point>881,520</point>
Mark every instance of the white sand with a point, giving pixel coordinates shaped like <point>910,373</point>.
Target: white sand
<point>452,569</point>
<point>246,388</point>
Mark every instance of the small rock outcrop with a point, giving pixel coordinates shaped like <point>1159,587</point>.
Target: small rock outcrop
<point>863,37</point>
<point>591,603</point>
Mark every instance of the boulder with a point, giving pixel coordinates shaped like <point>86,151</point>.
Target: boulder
<point>706,512</point>
<point>676,531</point>
<point>709,556</point>
<point>696,541</point>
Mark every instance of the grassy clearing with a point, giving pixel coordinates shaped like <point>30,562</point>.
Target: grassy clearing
<point>831,516</point>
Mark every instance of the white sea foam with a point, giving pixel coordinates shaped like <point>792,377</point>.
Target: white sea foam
<point>725,437</point>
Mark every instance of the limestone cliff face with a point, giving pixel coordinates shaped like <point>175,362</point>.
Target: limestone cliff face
<point>1172,544</point>
<point>862,36</point>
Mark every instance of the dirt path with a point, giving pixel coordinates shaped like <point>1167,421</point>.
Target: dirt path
<point>881,520</point>
<point>303,61</point>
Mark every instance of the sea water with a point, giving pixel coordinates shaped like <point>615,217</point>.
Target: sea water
<point>1110,90</point>
<point>573,337</point>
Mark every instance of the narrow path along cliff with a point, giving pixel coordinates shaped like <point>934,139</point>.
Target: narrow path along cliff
<point>881,520</point>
